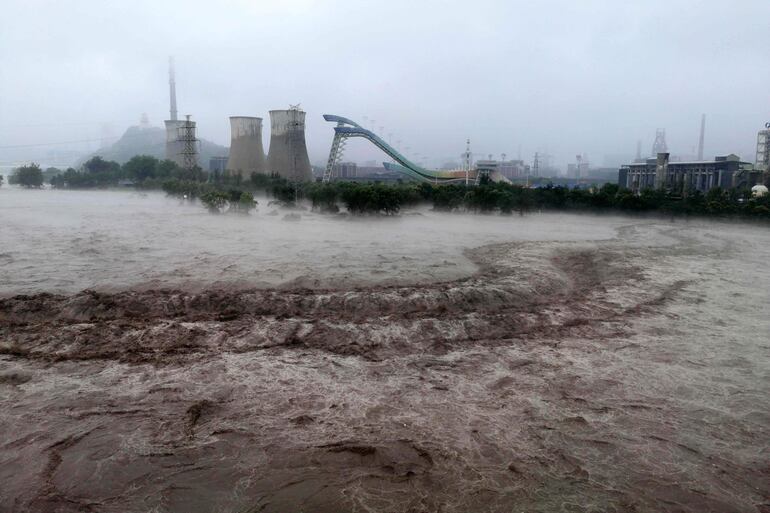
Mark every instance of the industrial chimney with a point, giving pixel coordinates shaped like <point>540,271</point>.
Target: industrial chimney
<point>702,137</point>
<point>172,89</point>
<point>246,153</point>
<point>173,125</point>
<point>288,154</point>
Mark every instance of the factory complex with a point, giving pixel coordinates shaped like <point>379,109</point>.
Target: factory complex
<point>287,155</point>
<point>698,174</point>
<point>724,171</point>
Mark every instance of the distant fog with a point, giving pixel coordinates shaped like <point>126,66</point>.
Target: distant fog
<point>560,77</point>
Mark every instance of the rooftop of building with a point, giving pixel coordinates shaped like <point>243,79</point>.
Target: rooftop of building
<point>717,159</point>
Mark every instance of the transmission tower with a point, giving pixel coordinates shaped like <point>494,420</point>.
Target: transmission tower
<point>467,161</point>
<point>189,144</point>
<point>659,146</point>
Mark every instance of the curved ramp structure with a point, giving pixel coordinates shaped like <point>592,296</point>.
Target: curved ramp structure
<point>347,128</point>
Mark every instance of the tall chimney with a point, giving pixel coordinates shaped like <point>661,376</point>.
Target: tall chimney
<point>172,88</point>
<point>702,136</point>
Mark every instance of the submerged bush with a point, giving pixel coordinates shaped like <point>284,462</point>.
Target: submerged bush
<point>215,201</point>
<point>242,201</point>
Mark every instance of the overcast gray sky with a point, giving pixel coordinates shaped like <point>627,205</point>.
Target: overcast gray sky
<point>565,76</point>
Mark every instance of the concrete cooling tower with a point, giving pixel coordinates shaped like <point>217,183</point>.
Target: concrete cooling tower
<point>173,145</point>
<point>288,153</point>
<point>246,153</point>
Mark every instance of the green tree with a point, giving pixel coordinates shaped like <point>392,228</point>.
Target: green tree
<point>605,196</point>
<point>29,176</point>
<point>652,198</point>
<point>97,165</point>
<point>324,197</point>
<point>50,173</point>
<point>141,168</point>
<point>166,169</point>
<point>97,172</point>
<point>285,191</point>
<point>448,197</point>
<point>627,200</point>
<point>69,178</point>
<point>507,202</point>
<point>552,196</point>
<point>484,198</point>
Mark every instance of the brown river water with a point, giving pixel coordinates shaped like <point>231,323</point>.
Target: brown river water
<point>156,358</point>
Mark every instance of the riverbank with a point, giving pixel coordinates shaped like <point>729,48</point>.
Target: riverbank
<point>220,192</point>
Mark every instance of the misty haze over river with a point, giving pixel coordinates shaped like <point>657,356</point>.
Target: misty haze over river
<point>67,241</point>
<point>425,362</point>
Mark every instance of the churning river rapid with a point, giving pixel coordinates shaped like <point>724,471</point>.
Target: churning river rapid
<point>154,357</point>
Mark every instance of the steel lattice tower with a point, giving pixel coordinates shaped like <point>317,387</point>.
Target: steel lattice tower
<point>189,144</point>
<point>659,146</point>
<point>467,161</point>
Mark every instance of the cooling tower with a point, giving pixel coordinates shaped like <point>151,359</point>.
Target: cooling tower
<point>173,145</point>
<point>288,153</point>
<point>246,153</point>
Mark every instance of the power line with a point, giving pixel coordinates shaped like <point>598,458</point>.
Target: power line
<point>56,143</point>
<point>73,123</point>
<point>100,139</point>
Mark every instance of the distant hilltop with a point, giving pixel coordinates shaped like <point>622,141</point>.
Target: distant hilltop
<point>150,140</point>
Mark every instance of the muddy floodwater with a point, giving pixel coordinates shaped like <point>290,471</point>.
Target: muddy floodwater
<point>156,358</point>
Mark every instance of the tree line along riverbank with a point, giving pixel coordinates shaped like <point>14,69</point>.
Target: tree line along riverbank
<point>234,193</point>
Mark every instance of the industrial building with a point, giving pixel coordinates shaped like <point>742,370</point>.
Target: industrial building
<point>510,169</point>
<point>659,172</point>
<point>581,167</point>
<point>218,165</point>
<point>345,170</point>
<point>513,169</point>
<point>287,155</point>
<point>246,152</point>
<point>763,149</point>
